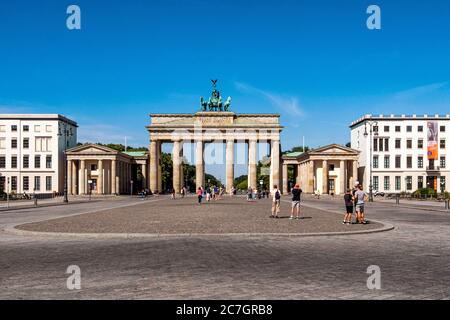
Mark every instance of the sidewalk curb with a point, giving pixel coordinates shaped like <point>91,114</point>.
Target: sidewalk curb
<point>131,236</point>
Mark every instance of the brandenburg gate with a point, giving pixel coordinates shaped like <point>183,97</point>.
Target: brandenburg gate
<point>214,123</point>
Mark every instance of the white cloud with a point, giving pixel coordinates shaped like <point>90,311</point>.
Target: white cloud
<point>286,104</point>
<point>103,133</point>
<point>417,92</point>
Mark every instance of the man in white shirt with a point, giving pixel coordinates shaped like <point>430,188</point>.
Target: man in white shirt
<point>276,201</point>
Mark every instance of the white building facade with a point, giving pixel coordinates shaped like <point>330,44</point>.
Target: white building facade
<point>407,152</point>
<point>32,152</point>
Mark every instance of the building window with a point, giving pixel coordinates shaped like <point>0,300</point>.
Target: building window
<point>387,184</point>
<point>375,162</point>
<point>420,128</point>
<point>43,144</point>
<point>13,143</point>
<point>409,162</point>
<point>37,162</point>
<point>397,128</point>
<point>386,162</point>
<point>442,183</point>
<point>26,161</point>
<point>442,163</point>
<point>409,144</point>
<point>386,144</point>
<point>37,128</point>
<point>330,167</point>
<point>2,128</point>
<point>26,183</point>
<point>2,143</point>
<point>26,128</point>
<point>2,183</point>
<point>94,167</point>
<point>37,183</point>
<point>48,162</point>
<point>398,143</point>
<point>48,128</point>
<point>398,183</point>
<point>386,128</point>
<point>442,143</point>
<point>48,183</point>
<point>14,128</point>
<point>380,144</point>
<point>13,183</point>
<point>420,144</point>
<point>420,162</point>
<point>408,128</point>
<point>419,182</point>
<point>398,162</point>
<point>14,162</point>
<point>375,128</point>
<point>375,182</point>
<point>375,144</point>
<point>26,143</point>
<point>2,162</point>
<point>408,183</point>
<point>442,128</point>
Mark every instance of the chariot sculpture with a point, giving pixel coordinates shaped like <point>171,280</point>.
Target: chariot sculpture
<point>215,102</point>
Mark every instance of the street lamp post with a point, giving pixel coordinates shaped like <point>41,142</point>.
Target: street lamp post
<point>371,123</point>
<point>66,133</point>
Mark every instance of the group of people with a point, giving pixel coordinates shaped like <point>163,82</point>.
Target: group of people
<point>354,202</point>
<point>295,203</point>
<point>253,194</point>
<point>211,193</point>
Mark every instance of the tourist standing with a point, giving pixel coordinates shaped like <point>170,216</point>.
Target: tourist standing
<point>348,200</point>
<point>199,195</point>
<point>296,193</point>
<point>249,194</point>
<point>173,193</point>
<point>276,202</point>
<point>361,198</point>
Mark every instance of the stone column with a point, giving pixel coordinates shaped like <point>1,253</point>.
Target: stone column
<point>176,165</point>
<point>82,179</point>
<point>199,165</point>
<point>285,178</point>
<point>159,161</point>
<point>230,165</point>
<point>153,166</point>
<point>275,163</point>
<point>354,173</point>
<point>114,179</point>
<point>181,166</point>
<point>74,177</point>
<point>69,176</point>
<point>310,174</point>
<point>342,176</point>
<point>100,189</point>
<point>298,179</point>
<point>252,164</point>
<point>144,175</point>
<point>324,177</point>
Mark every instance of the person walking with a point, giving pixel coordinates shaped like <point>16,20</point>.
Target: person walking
<point>249,194</point>
<point>276,201</point>
<point>361,198</point>
<point>200,195</point>
<point>173,193</point>
<point>348,200</point>
<point>296,193</point>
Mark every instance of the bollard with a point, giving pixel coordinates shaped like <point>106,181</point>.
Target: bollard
<point>397,199</point>
<point>446,204</point>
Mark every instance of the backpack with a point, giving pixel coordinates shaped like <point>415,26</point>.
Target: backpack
<point>277,195</point>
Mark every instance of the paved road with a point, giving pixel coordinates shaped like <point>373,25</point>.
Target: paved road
<point>414,260</point>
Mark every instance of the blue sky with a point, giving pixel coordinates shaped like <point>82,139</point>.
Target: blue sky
<point>314,62</point>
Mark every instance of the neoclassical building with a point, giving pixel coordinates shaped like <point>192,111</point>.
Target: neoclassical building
<point>214,127</point>
<point>214,123</point>
<point>329,170</point>
<point>99,170</point>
